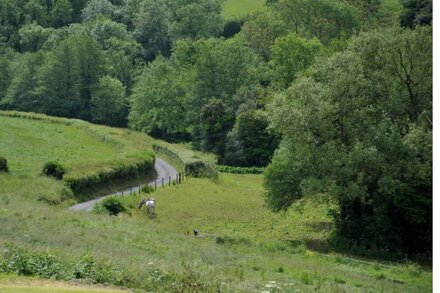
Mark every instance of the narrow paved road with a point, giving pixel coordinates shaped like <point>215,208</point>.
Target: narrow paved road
<point>163,170</point>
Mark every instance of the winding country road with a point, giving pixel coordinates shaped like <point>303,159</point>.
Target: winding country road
<point>163,170</point>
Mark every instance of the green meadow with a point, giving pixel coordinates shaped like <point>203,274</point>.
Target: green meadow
<point>242,246</point>
<point>237,9</point>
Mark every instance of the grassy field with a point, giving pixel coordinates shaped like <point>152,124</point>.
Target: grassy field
<point>18,284</point>
<point>242,247</point>
<point>237,9</point>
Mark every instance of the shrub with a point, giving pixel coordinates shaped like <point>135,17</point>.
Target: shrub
<point>22,262</point>
<point>111,205</point>
<point>88,268</point>
<point>3,164</point>
<point>54,169</point>
<point>200,169</point>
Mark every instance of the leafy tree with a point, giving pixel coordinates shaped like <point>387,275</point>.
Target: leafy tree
<point>108,102</point>
<point>157,102</point>
<point>60,13</point>
<point>23,92</point>
<point>95,8</point>
<point>60,78</point>
<point>250,143</point>
<point>6,71</point>
<point>261,30</point>
<point>32,37</point>
<point>194,19</point>
<point>292,54</point>
<point>151,28</point>
<point>77,7</point>
<point>215,123</point>
<point>326,20</point>
<point>126,12</point>
<point>358,128</point>
<point>416,12</point>
<point>71,74</point>
<point>10,20</point>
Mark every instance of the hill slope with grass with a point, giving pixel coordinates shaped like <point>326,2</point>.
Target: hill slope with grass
<point>238,9</point>
<point>241,247</point>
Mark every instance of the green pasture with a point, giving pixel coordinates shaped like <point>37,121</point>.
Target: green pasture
<point>242,247</point>
<point>238,9</point>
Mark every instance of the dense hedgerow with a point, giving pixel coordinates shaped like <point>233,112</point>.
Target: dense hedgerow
<point>131,167</point>
<point>3,164</point>
<point>239,170</point>
<point>200,169</point>
<point>54,169</point>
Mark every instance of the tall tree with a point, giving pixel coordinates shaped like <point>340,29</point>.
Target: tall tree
<point>358,128</point>
<point>157,102</point>
<point>152,28</point>
<point>292,54</point>
<point>194,19</point>
<point>23,92</point>
<point>109,105</point>
<point>416,12</point>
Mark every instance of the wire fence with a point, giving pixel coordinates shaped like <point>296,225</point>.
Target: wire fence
<point>178,178</point>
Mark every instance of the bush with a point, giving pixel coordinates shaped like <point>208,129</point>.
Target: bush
<point>22,262</point>
<point>111,205</point>
<point>54,169</point>
<point>88,268</point>
<point>200,169</point>
<point>3,164</point>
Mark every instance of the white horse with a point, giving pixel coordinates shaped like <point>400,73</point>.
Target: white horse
<point>150,203</point>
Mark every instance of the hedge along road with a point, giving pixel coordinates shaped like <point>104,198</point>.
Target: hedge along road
<point>163,170</point>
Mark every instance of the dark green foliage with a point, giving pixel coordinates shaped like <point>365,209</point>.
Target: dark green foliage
<point>112,205</point>
<point>239,170</point>
<point>200,169</point>
<point>3,164</point>
<point>22,262</point>
<point>416,12</point>
<point>54,169</point>
<point>215,122</point>
<point>250,143</point>
<point>231,28</point>
<point>358,128</point>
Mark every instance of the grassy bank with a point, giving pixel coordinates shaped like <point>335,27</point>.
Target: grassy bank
<point>238,9</point>
<point>256,249</point>
<point>93,156</point>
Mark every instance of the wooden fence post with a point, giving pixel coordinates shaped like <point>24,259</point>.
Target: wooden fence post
<point>162,182</point>
<point>169,180</point>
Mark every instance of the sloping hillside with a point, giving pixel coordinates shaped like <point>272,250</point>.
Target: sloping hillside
<point>241,246</point>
